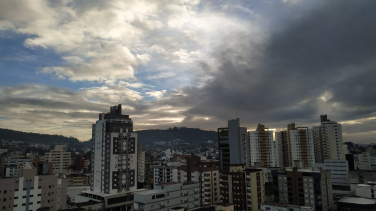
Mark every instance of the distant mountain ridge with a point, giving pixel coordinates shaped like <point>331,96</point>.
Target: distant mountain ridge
<point>13,135</point>
<point>189,135</point>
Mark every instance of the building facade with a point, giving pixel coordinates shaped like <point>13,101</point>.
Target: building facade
<point>233,145</point>
<point>301,144</point>
<point>140,165</point>
<point>206,173</point>
<point>365,191</point>
<point>339,170</point>
<point>114,153</point>
<point>165,174</point>
<point>282,149</point>
<point>306,188</point>
<point>30,191</point>
<point>169,196</point>
<point>262,147</point>
<point>244,188</point>
<point>60,158</point>
<point>328,140</point>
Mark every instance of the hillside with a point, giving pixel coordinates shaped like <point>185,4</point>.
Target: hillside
<point>13,135</point>
<point>190,135</point>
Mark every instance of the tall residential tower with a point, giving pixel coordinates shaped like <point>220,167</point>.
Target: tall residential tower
<point>262,146</point>
<point>114,153</point>
<point>328,140</point>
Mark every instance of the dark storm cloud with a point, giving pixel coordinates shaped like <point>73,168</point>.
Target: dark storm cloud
<point>331,49</point>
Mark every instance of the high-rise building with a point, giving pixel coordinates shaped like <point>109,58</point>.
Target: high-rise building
<point>60,158</point>
<point>233,145</point>
<point>262,147</point>
<point>113,162</point>
<point>282,149</point>
<point>244,188</point>
<point>301,144</point>
<point>206,173</point>
<point>140,166</point>
<point>114,158</point>
<point>328,140</point>
<point>306,188</point>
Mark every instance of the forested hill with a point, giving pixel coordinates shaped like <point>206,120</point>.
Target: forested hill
<point>190,135</point>
<point>13,135</point>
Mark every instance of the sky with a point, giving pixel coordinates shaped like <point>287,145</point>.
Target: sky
<point>188,63</point>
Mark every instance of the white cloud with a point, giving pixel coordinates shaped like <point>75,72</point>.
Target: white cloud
<point>156,94</point>
<point>161,75</point>
<point>103,41</point>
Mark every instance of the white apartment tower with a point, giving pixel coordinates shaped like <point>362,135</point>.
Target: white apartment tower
<point>262,147</point>
<point>114,154</point>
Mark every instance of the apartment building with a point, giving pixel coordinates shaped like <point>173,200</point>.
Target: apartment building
<point>60,158</point>
<point>328,140</point>
<point>206,173</point>
<point>244,188</point>
<point>9,166</point>
<point>113,163</point>
<point>140,165</point>
<point>305,187</point>
<point>282,151</point>
<point>301,144</point>
<point>78,180</point>
<point>165,174</point>
<point>339,171</point>
<point>30,191</point>
<point>233,145</point>
<point>262,146</point>
<point>255,188</point>
<point>169,196</point>
<point>365,161</point>
<point>114,153</point>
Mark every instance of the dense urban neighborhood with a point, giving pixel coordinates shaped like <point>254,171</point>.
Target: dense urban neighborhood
<point>298,168</point>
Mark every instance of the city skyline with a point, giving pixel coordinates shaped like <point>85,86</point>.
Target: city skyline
<point>187,63</point>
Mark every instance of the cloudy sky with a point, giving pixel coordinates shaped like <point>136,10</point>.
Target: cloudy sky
<point>188,63</point>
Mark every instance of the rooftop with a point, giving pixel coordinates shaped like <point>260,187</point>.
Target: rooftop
<point>278,204</point>
<point>153,191</point>
<point>357,200</point>
<point>177,208</point>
